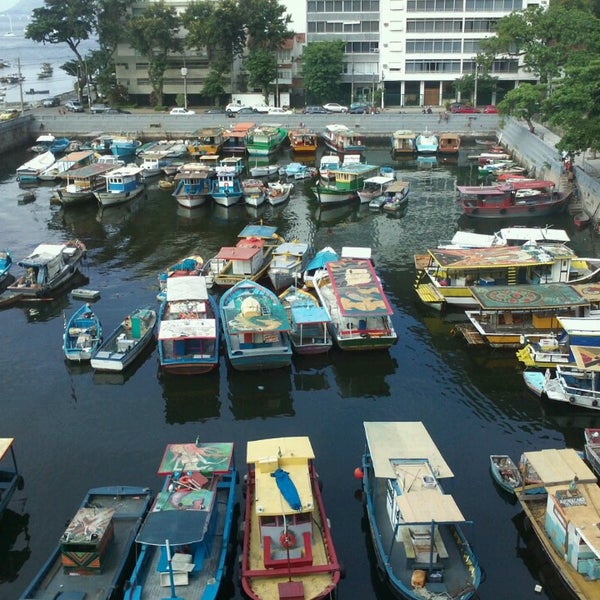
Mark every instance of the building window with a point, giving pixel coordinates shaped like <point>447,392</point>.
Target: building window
<point>434,5</point>
<point>493,5</point>
<point>434,25</point>
<point>471,46</point>
<point>433,46</point>
<point>433,66</point>
<point>486,25</point>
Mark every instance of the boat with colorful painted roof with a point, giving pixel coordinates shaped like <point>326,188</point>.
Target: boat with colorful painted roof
<point>288,549</point>
<point>564,516</point>
<point>303,140</point>
<point>309,320</point>
<point>184,540</point>
<point>341,139</point>
<point>351,292</point>
<point>344,183</point>
<point>248,259</point>
<point>192,185</point>
<point>235,138</point>
<point>420,545</point>
<point>122,185</point>
<point>255,325</point>
<point>288,262</point>
<point>207,140</point>
<point>263,140</point>
<point>188,331</point>
<point>445,275</point>
<point>80,184</point>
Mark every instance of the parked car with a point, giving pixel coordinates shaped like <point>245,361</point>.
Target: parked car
<point>335,107</point>
<point>458,107</point>
<point>277,110</point>
<point>53,101</point>
<point>235,107</point>
<point>73,106</point>
<point>9,114</point>
<point>315,110</point>
<point>179,110</point>
<point>245,110</point>
<point>359,108</point>
<point>261,107</point>
<point>490,109</point>
<point>116,111</point>
<point>97,109</point>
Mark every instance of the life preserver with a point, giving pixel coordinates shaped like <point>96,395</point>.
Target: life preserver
<point>572,399</point>
<point>287,539</point>
<point>594,402</point>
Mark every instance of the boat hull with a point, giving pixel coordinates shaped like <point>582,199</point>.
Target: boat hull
<point>82,335</point>
<point>114,198</point>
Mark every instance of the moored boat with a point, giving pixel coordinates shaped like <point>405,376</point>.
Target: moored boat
<point>184,540</point>
<point>226,188</point>
<point>254,327</point>
<point>420,546</point>
<point>255,192</point>
<point>278,192</point>
<point>126,342</point>
<point>309,321</point>
<point>374,189</point>
<point>403,142</point>
<point>122,185</point>
<point>341,139</point>
<point>563,517</point>
<point>30,171</point>
<point>396,197</point>
<point>10,477</point>
<point>592,448</point>
<point>193,183</point>
<point>264,140</point>
<point>317,263</point>
<point>69,162</point>
<point>235,138</point>
<point>303,139</point>
<point>288,262</point>
<point>48,268</point>
<point>351,292</point>
<point>81,183</point>
<point>448,143</point>
<point>505,472</point>
<point>82,334</point>
<point>427,143</point>
<point>92,555</point>
<point>5,264</point>
<point>207,140</point>
<point>188,332</point>
<point>124,146</point>
<point>344,183</point>
<point>288,549</point>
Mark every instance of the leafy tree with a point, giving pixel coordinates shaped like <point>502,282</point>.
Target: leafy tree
<point>322,63</point>
<point>524,102</point>
<point>266,23</point>
<point>261,65</point>
<point>153,33</point>
<point>61,22</point>
<point>214,87</point>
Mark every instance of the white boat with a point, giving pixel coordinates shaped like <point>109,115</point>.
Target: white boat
<point>31,170</point>
<point>427,143</point>
<point>69,162</point>
<point>153,163</point>
<point>278,193</point>
<point>193,182</point>
<point>287,264</point>
<point>374,188</point>
<point>255,192</point>
<point>226,189</point>
<point>122,185</point>
<point>264,170</point>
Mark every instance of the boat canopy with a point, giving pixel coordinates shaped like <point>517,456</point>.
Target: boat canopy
<point>238,252</point>
<point>5,446</point>
<point>389,440</point>
<point>356,252</point>
<point>580,325</point>
<point>590,291</point>
<point>42,255</point>
<point>379,180</point>
<point>533,234</point>
<point>527,296</point>
<point>191,287</point>
<point>293,248</point>
<point>208,457</point>
<point>559,466</point>
<point>425,506</point>
<point>255,313</point>
<point>468,239</point>
<point>397,187</point>
<point>258,231</point>
<point>321,259</point>
<point>187,328</point>
<point>309,314</point>
<point>357,288</point>
<point>291,454</point>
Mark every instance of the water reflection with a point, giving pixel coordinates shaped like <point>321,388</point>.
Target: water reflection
<point>260,394</point>
<point>122,377</point>
<point>309,373</point>
<point>350,369</point>
<point>14,544</point>
<point>42,310</point>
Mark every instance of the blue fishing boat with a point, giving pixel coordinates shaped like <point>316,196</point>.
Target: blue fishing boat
<point>193,184</point>
<point>5,264</point>
<point>420,546</point>
<point>82,334</point>
<point>126,342</point>
<point>184,539</point>
<point>122,184</point>
<point>124,147</point>
<point>255,325</point>
<point>226,188</point>
<point>188,333</point>
<point>91,558</point>
<point>10,478</point>
<point>59,145</point>
<point>427,143</point>
<point>317,263</point>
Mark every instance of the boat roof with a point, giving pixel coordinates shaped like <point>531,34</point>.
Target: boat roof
<point>397,186</point>
<point>260,231</point>
<point>238,252</point>
<point>45,138</point>
<point>89,171</point>
<point>586,357</point>
<point>379,179</point>
<point>501,256</point>
<point>43,254</point>
<point>559,466</point>
<point>187,328</point>
<point>76,156</point>
<point>481,190</point>
<point>357,288</point>
<point>401,133</point>
<point>357,168</point>
<point>182,516</point>
<point>190,287</point>
<point>124,171</point>
<point>469,239</point>
<point>306,314</point>
<point>290,454</point>
<point>590,291</point>
<point>241,318</point>
<point>534,234</point>
<point>580,325</point>
<point>527,296</point>
<point>295,248</point>
<point>5,445</point>
<point>388,440</point>
<point>356,252</point>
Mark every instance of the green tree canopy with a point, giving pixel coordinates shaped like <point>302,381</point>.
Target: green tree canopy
<point>322,63</point>
<point>154,34</point>
<point>266,23</point>
<point>524,102</point>
<point>261,65</point>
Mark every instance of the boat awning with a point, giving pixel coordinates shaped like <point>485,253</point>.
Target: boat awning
<point>180,517</point>
<point>251,318</point>
<point>46,138</point>
<point>5,445</point>
<point>379,180</point>
<point>206,457</point>
<point>258,231</point>
<point>469,239</point>
<point>293,248</point>
<point>305,315</point>
<point>357,288</point>
<point>427,506</point>
<point>479,190</point>
<point>586,357</point>
<point>388,440</point>
<point>534,234</point>
<point>397,186</point>
<point>237,252</point>
<point>43,254</point>
<point>550,296</point>
<point>559,466</point>
<point>580,325</point>
<point>192,287</point>
<point>291,454</point>
<point>356,252</point>
<point>88,171</point>
<point>321,259</point>
<point>187,328</point>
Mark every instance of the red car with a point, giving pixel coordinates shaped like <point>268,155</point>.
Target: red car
<point>463,108</point>
<point>490,109</point>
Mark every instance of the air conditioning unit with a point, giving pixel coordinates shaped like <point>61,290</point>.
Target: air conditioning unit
<point>428,481</point>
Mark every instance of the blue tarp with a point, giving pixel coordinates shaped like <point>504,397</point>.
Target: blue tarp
<point>287,488</point>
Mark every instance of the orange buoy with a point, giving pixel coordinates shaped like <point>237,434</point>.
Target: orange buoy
<point>358,473</point>
<point>287,539</point>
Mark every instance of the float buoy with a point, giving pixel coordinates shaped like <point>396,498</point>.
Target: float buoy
<point>358,473</point>
<point>287,539</point>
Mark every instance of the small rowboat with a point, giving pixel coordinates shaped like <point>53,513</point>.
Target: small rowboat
<point>581,220</point>
<point>505,473</point>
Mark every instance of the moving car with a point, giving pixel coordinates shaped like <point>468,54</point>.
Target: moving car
<point>73,106</point>
<point>277,110</point>
<point>359,108</point>
<point>48,102</point>
<point>490,109</point>
<point>458,107</point>
<point>97,109</point>
<point>215,110</point>
<point>235,107</point>
<point>116,111</point>
<point>315,110</point>
<point>9,114</point>
<point>335,107</point>
<point>245,110</point>
<point>179,110</point>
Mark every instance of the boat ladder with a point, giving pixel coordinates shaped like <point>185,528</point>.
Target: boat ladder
<point>512,276</point>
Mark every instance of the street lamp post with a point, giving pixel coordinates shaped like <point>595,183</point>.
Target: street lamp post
<point>475,86</point>
<point>373,90</point>
<point>184,73</point>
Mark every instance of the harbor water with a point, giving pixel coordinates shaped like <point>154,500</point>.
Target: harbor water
<point>75,429</point>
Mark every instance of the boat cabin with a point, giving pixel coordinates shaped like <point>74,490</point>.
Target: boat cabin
<point>10,479</point>
<point>123,179</point>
